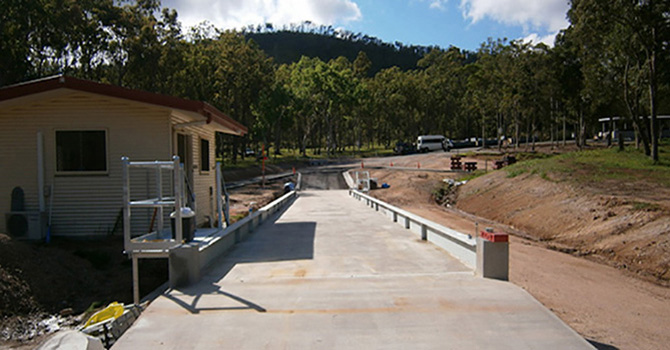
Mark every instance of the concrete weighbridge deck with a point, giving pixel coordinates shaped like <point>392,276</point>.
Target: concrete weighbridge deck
<point>331,274</point>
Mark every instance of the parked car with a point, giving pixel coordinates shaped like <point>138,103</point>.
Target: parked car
<point>404,148</point>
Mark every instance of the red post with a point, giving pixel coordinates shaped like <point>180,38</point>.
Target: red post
<point>418,165</point>
<point>362,165</point>
<point>494,236</point>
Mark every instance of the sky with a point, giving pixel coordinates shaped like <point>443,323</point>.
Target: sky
<point>462,23</point>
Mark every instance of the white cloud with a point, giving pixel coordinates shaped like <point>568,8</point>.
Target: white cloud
<point>538,14</point>
<point>228,14</point>
<point>439,4</point>
<point>535,39</point>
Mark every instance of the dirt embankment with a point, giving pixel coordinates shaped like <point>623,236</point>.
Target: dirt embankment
<point>629,230</point>
<point>66,277</point>
<point>605,274</point>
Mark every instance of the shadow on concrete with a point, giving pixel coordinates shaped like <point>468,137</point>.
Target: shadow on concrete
<point>276,242</point>
<point>211,289</point>
<point>601,346</point>
<point>271,242</point>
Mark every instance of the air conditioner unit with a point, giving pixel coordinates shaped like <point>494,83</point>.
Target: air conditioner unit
<point>29,225</point>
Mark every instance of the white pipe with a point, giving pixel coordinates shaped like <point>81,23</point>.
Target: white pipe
<point>40,171</point>
<point>219,204</point>
<point>178,197</point>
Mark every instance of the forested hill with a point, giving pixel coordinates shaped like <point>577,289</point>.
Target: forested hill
<point>289,46</point>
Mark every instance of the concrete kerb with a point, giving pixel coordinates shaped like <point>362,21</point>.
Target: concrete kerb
<point>239,230</point>
<point>487,259</point>
<point>187,261</point>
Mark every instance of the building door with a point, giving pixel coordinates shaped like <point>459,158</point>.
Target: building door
<point>185,153</point>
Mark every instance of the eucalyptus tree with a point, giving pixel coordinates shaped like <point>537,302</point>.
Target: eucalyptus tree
<point>42,37</point>
<point>570,75</point>
<point>272,113</point>
<point>324,93</point>
<point>541,90</point>
<point>242,71</point>
<point>485,85</point>
<point>392,116</point>
<point>362,113</point>
<point>361,65</point>
<point>445,79</point>
<point>641,26</point>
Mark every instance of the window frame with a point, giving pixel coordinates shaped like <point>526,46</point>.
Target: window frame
<point>201,167</point>
<point>81,172</point>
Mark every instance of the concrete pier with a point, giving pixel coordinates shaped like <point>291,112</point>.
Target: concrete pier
<point>332,274</point>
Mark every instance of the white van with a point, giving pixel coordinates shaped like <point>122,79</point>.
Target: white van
<point>426,143</point>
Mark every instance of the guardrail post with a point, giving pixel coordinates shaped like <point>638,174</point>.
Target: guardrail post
<point>493,255</point>
<point>406,222</point>
<point>395,217</point>
<point>377,206</point>
<point>424,232</point>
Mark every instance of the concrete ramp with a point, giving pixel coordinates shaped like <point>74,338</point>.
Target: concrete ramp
<point>331,274</point>
<point>324,179</point>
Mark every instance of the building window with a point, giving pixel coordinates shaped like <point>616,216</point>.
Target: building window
<point>204,155</point>
<point>81,151</point>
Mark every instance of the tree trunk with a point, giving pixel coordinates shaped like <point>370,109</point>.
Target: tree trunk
<point>483,131</point>
<point>534,131</point>
<point>234,149</point>
<point>633,107</point>
<point>527,136</point>
<point>499,130</point>
<point>303,145</point>
<point>278,134</point>
<point>582,129</point>
<point>551,121</point>
<point>517,133</point>
<point>621,144</point>
<point>610,132</point>
<point>564,129</point>
<point>655,135</point>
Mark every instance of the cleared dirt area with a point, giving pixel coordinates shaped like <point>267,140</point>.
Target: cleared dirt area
<point>591,254</point>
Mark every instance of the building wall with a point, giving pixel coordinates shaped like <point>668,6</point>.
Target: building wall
<point>83,205</point>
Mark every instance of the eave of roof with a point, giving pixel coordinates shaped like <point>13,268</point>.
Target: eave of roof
<point>62,81</point>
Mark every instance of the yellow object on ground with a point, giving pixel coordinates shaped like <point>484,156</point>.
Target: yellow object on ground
<point>113,310</point>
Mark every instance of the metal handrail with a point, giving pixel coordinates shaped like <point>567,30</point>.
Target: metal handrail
<point>463,239</point>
